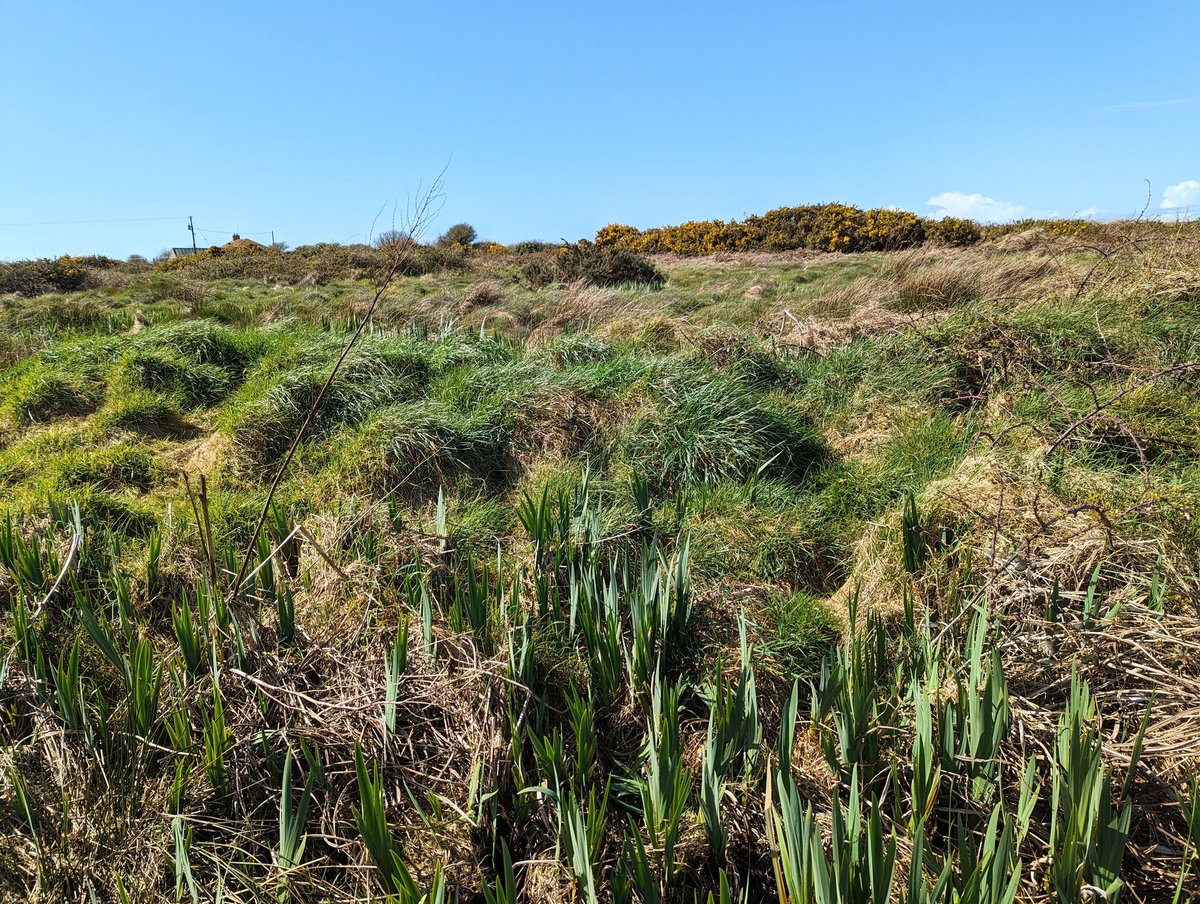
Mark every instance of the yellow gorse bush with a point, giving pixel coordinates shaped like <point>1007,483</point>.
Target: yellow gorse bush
<point>893,230</point>
<point>953,231</point>
<point>820,227</point>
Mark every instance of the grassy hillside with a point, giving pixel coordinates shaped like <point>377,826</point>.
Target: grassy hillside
<point>874,566</point>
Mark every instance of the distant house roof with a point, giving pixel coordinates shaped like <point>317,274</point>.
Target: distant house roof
<point>240,243</point>
<point>180,252</point>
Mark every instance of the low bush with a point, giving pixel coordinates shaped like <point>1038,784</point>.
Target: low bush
<point>605,266</point>
<point>460,235</point>
<point>536,269</point>
<point>586,262</point>
<point>314,264</point>
<point>616,234</point>
<point>531,247</point>
<point>37,277</point>
<point>953,231</point>
<point>782,229</point>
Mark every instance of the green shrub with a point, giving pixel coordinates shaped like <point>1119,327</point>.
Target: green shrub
<point>953,231</point>
<point>782,229</point>
<point>460,235</point>
<point>605,266</point>
<point>531,247</point>
<point>38,277</point>
<point>597,265</point>
<point>536,269</point>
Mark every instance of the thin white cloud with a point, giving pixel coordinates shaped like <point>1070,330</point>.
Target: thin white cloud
<point>1181,196</point>
<point>974,207</point>
<point>1148,104</point>
<point>1088,212</point>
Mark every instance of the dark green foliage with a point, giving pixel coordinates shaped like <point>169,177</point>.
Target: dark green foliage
<point>63,274</point>
<point>460,235</point>
<point>953,231</point>
<point>531,247</point>
<point>537,268</point>
<point>601,266</point>
<point>593,264</point>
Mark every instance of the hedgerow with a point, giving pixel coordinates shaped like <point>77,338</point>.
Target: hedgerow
<point>833,227</point>
<point>317,263</point>
<point>62,274</point>
<point>823,227</point>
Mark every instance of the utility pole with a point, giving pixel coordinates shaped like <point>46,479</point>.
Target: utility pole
<point>272,238</point>
<point>192,230</point>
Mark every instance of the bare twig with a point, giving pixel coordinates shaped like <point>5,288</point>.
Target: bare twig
<point>1167,371</point>
<point>419,216</point>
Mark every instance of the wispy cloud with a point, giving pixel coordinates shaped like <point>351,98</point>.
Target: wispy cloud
<point>1148,104</point>
<point>974,207</point>
<point>1181,196</point>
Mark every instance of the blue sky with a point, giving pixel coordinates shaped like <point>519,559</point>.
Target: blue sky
<point>555,119</point>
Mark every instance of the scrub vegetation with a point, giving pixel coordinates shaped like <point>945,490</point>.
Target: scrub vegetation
<point>804,574</point>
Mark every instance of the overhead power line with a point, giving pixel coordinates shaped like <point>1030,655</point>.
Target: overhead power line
<point>214,229</point>
<point>93,222</point>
